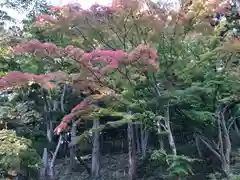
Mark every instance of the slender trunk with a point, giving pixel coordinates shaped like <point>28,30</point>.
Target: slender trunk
<point>236,129</point>
<point>228,146</point>
<point>226,168</point>
<point>48,123</point>
<point>73,154</point>
<point>101,143</point>
<point>55,105</point>
<point>170,135</point>
<point>144,139</point>
<point>44,171</point>
<point>96,150</point>
<point>73,147</point>
<point>47,110</point>
<point>159,130</point>
<point>62,98</point>
<point>198,146</point>
<point>137,138</point>
<point>49,130</point>
<point>132,174</point>
<point>51,168</point>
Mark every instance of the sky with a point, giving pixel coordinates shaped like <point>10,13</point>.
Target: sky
<point>84,3</point>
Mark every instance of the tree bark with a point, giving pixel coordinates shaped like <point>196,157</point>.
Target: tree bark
<point>63,98</point>
<point>170,135</point>
<point>132,174</point>
<point>51,168</point>
<point>49,130</point>
<point>144,139</point>
<point>159,131</point>
<point>198,146</point>
<point>44,171</point>
<point>236,129</point>
<point>137,138</point>
<point>228,146</point>
<point>72,145</point>
<point>96,150</point>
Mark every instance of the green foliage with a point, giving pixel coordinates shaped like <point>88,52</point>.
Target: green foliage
<point>235,177</point>
<point>17,154</point>
<point>21,112</point>
<point>178,165</point>
<point>218,176</point>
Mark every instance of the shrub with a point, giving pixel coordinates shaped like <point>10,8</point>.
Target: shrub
<point>17,155</point>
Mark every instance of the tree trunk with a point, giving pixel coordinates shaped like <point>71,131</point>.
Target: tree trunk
<point>96,150</point>
<point>228,146</point>
<point>170,135</point>
<point>197,142</point>
<point>159,130</point>
<point>144,140</point>
<point>44,171</point>
<point>132,174</point>
<point>236,129</point>
<point>47,110</point>
<point>73,145</point>
<point>226,169</point>
<point>51,168</point>
<point>137,138</point>
<point>49,130</point>
<point>63,97</point>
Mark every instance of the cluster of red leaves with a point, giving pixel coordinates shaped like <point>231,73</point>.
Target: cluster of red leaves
<point>86,106</point>
<point>66,119</point>
<point>224,7</point>
<point>142,55</point>
<point>17,79</point>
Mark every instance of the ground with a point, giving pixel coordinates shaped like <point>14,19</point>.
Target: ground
<point>113,167</point>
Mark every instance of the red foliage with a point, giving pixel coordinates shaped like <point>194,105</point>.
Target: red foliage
<point>66,119</point>
<point>224,7</point>
<point>142,54</point>
<point>16,79</point>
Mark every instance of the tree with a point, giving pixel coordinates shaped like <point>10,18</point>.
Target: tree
<point>125,80</point>
<point>92,77</point>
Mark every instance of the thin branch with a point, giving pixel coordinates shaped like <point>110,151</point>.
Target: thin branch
<point>101,36</point>
<point>56,151</point>
<point>197,145</point>
<point>220,139</point>
<point>62,97</point>
<point>210,147</point>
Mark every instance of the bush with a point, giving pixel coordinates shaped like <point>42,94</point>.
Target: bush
<point>17,155</point>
